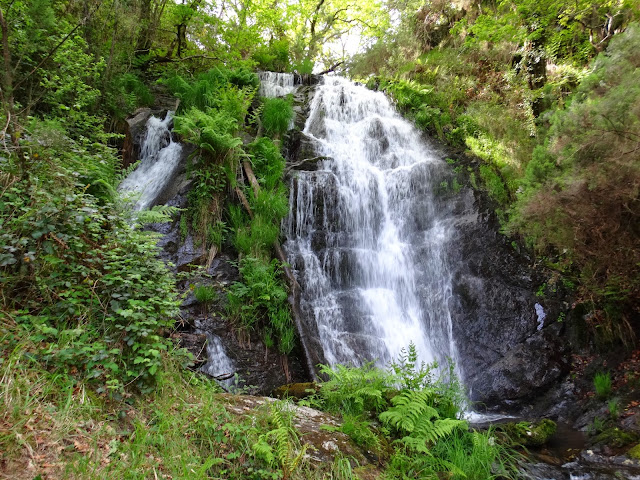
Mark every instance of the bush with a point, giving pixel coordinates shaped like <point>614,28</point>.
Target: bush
<point>126,93</point>
<point>268,163</point>
<point>273,57</point>
<point>586,206</point>
<point>86,285</point>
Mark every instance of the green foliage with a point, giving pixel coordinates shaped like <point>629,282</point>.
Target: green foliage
<point>280,446</point>
<point>477,456</point>
<point>411,375</point>
<point>268,163</point>
<point>414,416</point>
<point>273,57</point>
<point>126,93</point>
<point>602,384</point>
<point>359,430</point>
<point>260,300</point>
<point>613,406</point>
<point>86,285</point>
<point>218,88</point>
<point>494,185</point>
<point>354,390</point>
<point>213,131</point>
<point>590,162</point>
<point>276,115</point>
<point>530,434</point>
<point>205,293</point>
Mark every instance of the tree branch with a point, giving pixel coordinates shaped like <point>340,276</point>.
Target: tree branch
<point>331,68</point>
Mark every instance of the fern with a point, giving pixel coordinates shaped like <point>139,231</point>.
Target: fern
<point>409,408</point>
<point>354,390</point>
<point>280,447</point>
<point>431,432</point>
<point>414,416</point>
<point>157,214</point>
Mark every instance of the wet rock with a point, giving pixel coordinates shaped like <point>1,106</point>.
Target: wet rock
<point>522,372</point>
<point>135,129</point>
<point>196,344</point>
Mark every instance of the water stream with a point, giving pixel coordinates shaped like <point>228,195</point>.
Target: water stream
<point>276,84</point>
<point>367,235</point>
<point>159,161</point>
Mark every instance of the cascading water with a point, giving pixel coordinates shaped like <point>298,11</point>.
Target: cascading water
<point>276,84</point>
<point>159,160</point>
<point>366,234</point>
<point>218,365</point>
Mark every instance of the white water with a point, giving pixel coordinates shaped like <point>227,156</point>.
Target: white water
<point>218,363</point>
<point>276,84</point>
<point>366,236</point>
<point>159,160</point>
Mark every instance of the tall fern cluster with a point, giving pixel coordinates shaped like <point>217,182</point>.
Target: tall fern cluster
<point>419,410</point>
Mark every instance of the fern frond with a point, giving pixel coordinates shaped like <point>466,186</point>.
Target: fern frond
<point>410,408</point>
<point>157,214</point>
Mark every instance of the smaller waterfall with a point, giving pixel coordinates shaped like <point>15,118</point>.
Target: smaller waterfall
<point>276,84</point>
<point>159,160</point>
<point>218,363</point>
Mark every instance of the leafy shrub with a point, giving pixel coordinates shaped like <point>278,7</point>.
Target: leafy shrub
<point>273,57</point>
<point>213,131</point>
<point>126,93</point>
<point>594,144</point>
<point>494,185</point>
<point>205,90</point>
<point>268,163</point>
<point>88,287</point>
<point>204,293</point>
<point>354,390</point>
<point>280,446</point>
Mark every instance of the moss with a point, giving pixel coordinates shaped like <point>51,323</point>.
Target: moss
<point>614,437</point>
<point>296,390</point>
<point>634,452</point>
<point>530,434</point>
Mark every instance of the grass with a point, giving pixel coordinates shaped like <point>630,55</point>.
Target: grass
<point>602,384</point>
<point>51,425</point>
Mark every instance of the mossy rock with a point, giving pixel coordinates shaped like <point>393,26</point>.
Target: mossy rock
<point>530,434</point>
<point>296,390</point>
<point>615,437</point>
<point>634,452</point>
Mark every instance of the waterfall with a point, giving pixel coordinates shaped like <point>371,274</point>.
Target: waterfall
<point>159,161</point>
<point>218,363</point>
<point>276,84</point>
<point>366,234</point>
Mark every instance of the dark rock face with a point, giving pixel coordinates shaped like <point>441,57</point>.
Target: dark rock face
<point>505,357</point>
<point>135,128</point>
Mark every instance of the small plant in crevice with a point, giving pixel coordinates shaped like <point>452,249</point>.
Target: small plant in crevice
<point>614,408</point>
<point>602,384</point>
<point>205,294</point>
